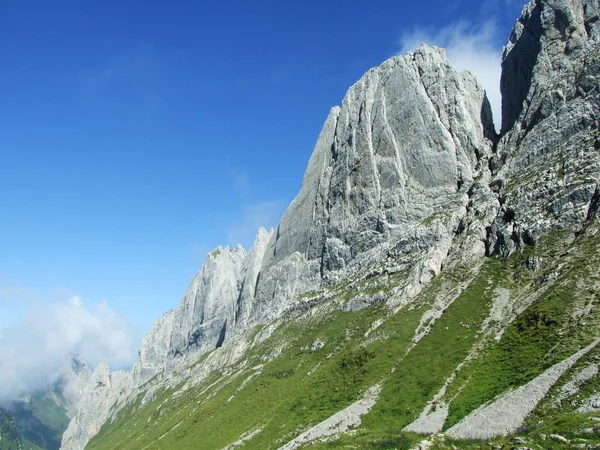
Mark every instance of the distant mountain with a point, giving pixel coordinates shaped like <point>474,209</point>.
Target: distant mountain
<point>433,285</point>
<point>10,437</point>
<point>43,417</point>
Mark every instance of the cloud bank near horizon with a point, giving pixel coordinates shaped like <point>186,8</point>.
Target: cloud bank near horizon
<point>35,351</point>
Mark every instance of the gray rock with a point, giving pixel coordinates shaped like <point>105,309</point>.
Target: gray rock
<point>154,349</point>
<point>72,383</point>
<point>100,395</point>
<point>558,438</point>
<point>405,144</point>
<point>547,163</point>
<point>201,321</point>
<point>574,384</point>
<point>506,414</point>
<point>591,404</point>
<point>317,345</point>
<point>390,176</point>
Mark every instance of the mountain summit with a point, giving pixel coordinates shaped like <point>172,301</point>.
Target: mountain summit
<point>431,276</point>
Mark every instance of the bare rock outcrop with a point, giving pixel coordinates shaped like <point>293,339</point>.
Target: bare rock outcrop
<point>392,174</point>
<point>547,165</point>
<point>73,382</point>
<point>101,394</point>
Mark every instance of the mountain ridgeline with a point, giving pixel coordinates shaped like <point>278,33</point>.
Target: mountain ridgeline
<point>432,281</point>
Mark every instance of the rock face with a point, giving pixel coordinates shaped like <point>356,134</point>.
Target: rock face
<point>407,176</point>
<point>100,394</point>
<point>401,152</point>
<point>547,165</point>
<point>403,149</point>
<point>73,382</point>
<point>219,300</point>
<point>154,349</point>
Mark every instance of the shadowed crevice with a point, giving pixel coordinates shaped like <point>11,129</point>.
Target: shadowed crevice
<point>517,69</point>
<point>222,335</point>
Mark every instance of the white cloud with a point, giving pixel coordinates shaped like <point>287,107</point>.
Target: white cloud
<point>264,214</point>
<point>255,212</point>
<point>468,47</point>
<point>34,351</point>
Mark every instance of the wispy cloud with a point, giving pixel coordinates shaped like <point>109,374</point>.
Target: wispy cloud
<point>264,214</point>
<point>469,46</point>
<point>257,210</point>
<point>13,292</point>
<point>132,79</point>
<point>34,350</point>
<point>242,184</point>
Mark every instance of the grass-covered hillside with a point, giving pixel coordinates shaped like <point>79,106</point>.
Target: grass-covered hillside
<point>10,437</point>
<point>473,333</point>
<point>42,420</point>
<point>34,423</point>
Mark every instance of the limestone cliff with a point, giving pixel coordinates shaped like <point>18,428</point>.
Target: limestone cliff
<point>100,394</point>
<point>399,155</point>
<point>72,383</point>
<point>547,165</point>
<point>390,175</point>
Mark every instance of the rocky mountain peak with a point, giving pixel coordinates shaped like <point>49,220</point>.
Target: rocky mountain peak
<point>543,51</point>
<point>73,381</point>
<point>99,397</point>
<point>390,175</point>
<point>407,131</point>
<point>547,164</point>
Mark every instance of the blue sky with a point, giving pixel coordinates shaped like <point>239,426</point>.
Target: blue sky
<point>135,136</point>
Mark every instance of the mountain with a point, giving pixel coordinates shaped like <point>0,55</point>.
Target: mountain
<point>10,437</point>
<point>42,417</point>
<point>432,284</point>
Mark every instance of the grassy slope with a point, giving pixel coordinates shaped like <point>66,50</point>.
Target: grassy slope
<point>283,399</point>
<point>51,422</point>
<point>543,335</point>
<point>10,438</point>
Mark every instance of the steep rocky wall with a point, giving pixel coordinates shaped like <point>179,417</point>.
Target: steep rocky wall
<point>547,166</point>
<point>391,175</point>
<point>103,390</point>
<point>405,146</point>
<point>403,150</point>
